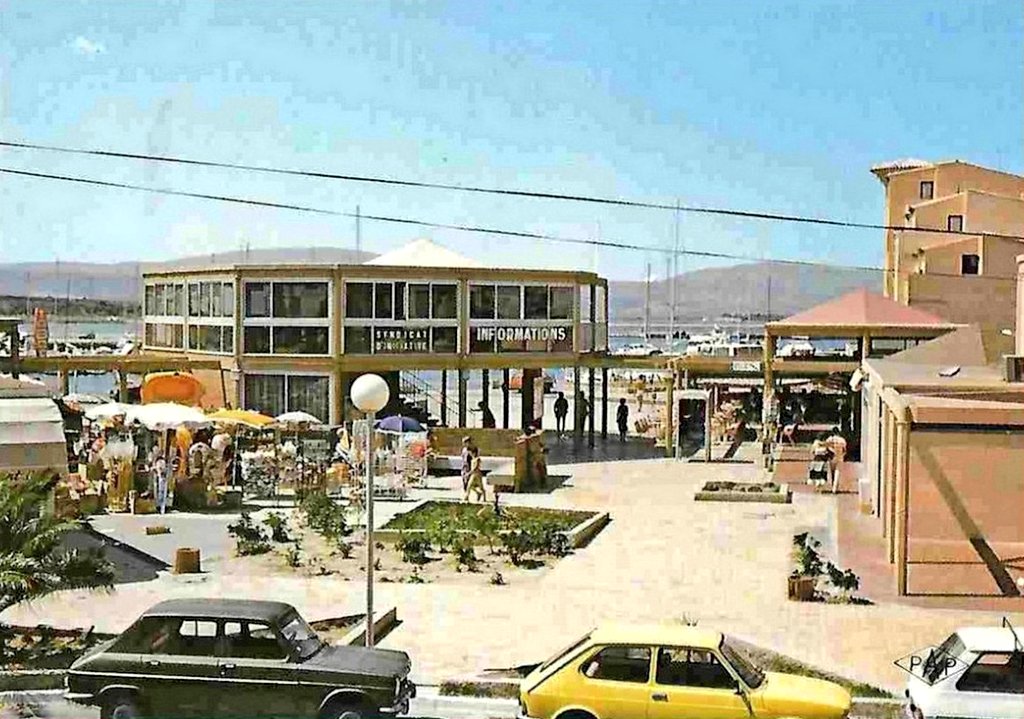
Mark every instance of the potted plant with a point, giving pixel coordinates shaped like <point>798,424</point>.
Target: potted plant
<point>804,578</point>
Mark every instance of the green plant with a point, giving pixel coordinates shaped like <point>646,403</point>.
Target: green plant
<point>32,561</point>
<point>497,580</point>
<point>415,577</point>
<point>278,526</point>
<point>250,538</point>
<point>324,516</point>
<point>414,547</point>
<point>464,555</point>
<point>443,535</point>
<point>344,549</point>
<point>844,580</point>
<point>805,553</point>
<point>517,543</point>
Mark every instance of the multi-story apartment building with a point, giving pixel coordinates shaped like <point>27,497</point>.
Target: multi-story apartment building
<point>964,269</point>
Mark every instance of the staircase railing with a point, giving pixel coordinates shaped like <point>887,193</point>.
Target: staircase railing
<point>414,387</point>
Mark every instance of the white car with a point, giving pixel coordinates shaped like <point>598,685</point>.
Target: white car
<point>977,673</point>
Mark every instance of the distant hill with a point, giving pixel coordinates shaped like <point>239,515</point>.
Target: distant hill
<point>120,280</point>
<point>739,289</point>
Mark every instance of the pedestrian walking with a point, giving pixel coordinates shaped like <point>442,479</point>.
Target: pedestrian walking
<point>467,460</point>
<point>161,478</point>
<point>837,446</point>
<point>817,473</point>
<point>561,411</point>
<point>584,405</point>
<point>475,485</point>
<point>622,418</point>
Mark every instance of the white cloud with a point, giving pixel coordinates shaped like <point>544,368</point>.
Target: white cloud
<point>84,46</point>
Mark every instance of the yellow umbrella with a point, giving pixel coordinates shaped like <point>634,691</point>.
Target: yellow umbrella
<point>240,416</point>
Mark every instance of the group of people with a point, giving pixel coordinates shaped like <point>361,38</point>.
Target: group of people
<point>562,411</point>
<point>828,452</point>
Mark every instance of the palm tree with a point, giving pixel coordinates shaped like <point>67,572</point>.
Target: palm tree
<point>32,562</point>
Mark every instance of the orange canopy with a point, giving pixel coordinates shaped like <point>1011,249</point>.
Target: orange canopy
<point>180,387</point>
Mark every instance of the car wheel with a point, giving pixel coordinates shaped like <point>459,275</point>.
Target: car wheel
<point>347,711</point>
<point>120,707</point>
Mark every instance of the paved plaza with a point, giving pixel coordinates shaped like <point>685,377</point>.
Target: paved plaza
<point>663,557</point>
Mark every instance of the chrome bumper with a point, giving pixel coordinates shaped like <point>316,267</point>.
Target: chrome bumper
<point>79,697</point>
<point>401,705</point>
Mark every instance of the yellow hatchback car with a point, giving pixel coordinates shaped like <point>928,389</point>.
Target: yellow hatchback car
<point>669,672</point>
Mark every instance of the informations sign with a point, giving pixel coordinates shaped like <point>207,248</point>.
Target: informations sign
<point>746,366</point>
<point>396,340</point>
<point>521,334</point>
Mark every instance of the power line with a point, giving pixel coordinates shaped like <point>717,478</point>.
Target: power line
<point>454,227</point>
<point>533,194</point>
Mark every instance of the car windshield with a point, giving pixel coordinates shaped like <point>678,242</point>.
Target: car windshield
<point>751,675</point>
<point>566,651</point>
<point>301,636</point>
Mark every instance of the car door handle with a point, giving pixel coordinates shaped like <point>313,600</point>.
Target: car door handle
<point>659,697</point>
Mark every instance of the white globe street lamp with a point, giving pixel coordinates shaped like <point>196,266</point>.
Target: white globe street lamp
<point>370,394</point>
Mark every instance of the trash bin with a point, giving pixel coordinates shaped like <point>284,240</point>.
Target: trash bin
<point>864,495</point>
<point>186,560</point>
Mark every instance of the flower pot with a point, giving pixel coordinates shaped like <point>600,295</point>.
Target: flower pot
<point>801,588</point>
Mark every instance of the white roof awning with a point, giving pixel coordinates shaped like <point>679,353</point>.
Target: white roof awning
<point>423,253</point>
<point>31,435</point>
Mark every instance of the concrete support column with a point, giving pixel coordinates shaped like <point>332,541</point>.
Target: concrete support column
<point>444,397</point>
<point>504,397</point>
<point>670,418</point>
<point>65,382</point>
<point>707,427</point>
<point>463,399</point>
<point>485,379</point>
<point>768,392</point>
<point>590,402</point>
<point>604,403</point>
<point>577,427</point>
<point>864,347</point>
<point>526,390</point>
<point>903,503</point>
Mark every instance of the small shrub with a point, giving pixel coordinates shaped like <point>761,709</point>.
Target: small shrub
<point>250,539</point>
<point>293,556</point>
<point>414,548</point>
<point>325,517</point>
<point>464,555</point>
<point>805,553</point>
<point>844,580</point>
<point>415,577</point>
<point>278,527</point>
<point>497,580</point>
<point>344,549</point>
<point>443,535</point>
<point>517,543</point>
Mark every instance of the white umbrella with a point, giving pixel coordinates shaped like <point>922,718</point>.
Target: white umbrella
<point>79,398</point>
<point>108,410</point>
<point>296,418</point>
<point>168,415</point>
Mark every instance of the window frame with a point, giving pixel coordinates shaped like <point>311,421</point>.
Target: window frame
<point>977,264</point>
<point>331,389</point>
<point>949,223</point>
<point>930,184</point>
<point>401,304</point>
<point>272,322</point>
<point>714,653</point>
<point>592,656</point>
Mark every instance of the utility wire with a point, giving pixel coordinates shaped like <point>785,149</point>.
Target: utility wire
<point>455,227</point>
<point>695,209</point>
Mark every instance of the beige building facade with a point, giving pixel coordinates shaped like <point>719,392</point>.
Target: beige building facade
<point>957,257</point>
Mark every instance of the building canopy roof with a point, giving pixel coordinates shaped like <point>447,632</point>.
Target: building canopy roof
<point>855,313</point>
<point>31,435</point>
<point>967,346</point>
<point>423,253</point>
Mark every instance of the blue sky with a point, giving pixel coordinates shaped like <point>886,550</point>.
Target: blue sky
<point>776,106</point>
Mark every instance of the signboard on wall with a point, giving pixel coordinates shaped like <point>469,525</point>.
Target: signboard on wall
<point>746,366</point>
<point>521,334</point>
<point>396,340</point>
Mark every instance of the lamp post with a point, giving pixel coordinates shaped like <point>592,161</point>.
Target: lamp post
<point>370,394</point>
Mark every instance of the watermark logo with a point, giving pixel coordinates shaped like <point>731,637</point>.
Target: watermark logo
<point>931,665</point>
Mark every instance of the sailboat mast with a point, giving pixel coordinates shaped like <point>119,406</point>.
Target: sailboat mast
<point>647,305</point>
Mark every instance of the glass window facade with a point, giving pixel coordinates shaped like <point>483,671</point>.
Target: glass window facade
<point>509,301</point>
<point>275,394</point>
<point>359,299</point>
<point>211,338</point>
<point>481,302</point>
<point>560,303</point>
<point>535,302</point>
<point>164,299</point>
<point>164,334</point>
<point>300,340</point>
<point>300,300</point>
<point>257,340</point>
<point>419,301</point>
<point>257,299</point>
<point>444,303</point>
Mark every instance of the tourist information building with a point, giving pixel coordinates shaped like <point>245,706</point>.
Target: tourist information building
<point>293,337</point>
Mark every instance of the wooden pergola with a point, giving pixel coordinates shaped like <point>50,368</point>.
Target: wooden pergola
<point>860,315</point>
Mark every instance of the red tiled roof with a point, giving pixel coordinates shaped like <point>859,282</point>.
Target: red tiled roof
<point>862,308</point>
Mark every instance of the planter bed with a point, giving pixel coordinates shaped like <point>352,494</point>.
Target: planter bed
<point>578,526</point>
<point>744,492</point>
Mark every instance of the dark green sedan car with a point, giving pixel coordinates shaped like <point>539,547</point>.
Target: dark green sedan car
<point>231,657</point>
